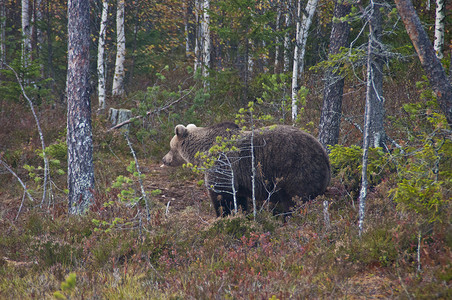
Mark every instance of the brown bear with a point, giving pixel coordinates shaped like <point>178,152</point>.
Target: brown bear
<point>288,163</point>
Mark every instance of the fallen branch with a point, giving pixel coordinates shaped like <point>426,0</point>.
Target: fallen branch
<point>151,111</point>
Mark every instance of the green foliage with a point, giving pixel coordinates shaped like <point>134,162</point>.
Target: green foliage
<point>346,163</point>
<point>128,185</point>
<point>67,287</point>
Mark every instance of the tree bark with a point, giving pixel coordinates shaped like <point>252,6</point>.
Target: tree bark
<point>439,28</point>
<point>2,32</point>
<point>101,71</point>
<point>26,34</point>
<point>430,63</point>
<point>79,133</point>
<point>198,41</point>
<point>330,118</point>
<point>206,41</point>
<point>377,134</point>
<point>118,80</point>
<point>300,46</point>
<point>287,37</point>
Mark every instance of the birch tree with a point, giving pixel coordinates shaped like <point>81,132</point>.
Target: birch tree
<point>79,133</point>
<point>198,40</point>
<point>26,33</point>
<point>334,83</point>
<point>101,68</point>
<point>287,37</point>
<point>439,28</point>
<point>2,31</point>
<point>430,63</point>
<point>278,21</point>
<point>206,41</point>
<point>300,47</point>
<point>118,79</point>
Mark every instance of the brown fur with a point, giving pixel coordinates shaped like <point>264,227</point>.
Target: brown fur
<point>288,162</point>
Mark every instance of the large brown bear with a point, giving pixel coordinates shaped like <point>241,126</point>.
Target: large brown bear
<point>289,163</point>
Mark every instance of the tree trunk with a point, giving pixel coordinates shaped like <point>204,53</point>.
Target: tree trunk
<point>330,118</point>
<point>198,41</point>
<point>186,28</point>
<point>300,47</point>
<point>101,70</point>
<point>278,21</point>
<point>26,34</point>
<point>2,32</point>
<point>79,133</point>
<point>287,38</point>
<point>377,135</point>
<point>430,63</point>
<point>118,80</point>
<point>206,41</point>
<point>439,28</point>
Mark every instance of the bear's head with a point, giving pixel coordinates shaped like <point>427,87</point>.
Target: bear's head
<point>174,157</point>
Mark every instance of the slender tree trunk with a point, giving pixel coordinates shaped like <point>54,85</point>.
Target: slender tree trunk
<point>186,28</point>
<point>198,41</point>
<point>377,135</point>
<point>118,79</point>
<point>296,59</point>
<point>330,118</point>
<point>79,133</point>
<point>439,27</point>
<point>300,47</point>
<point>429,61</point>
<point>26,34</point>
<point>206,41</point>
<point>2,32</point>
<point>278,21</point>
<point>287,37</point>
<point>101,70</point>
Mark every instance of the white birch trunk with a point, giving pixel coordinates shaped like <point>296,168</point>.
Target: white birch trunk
<point>305,25</point>
<point>300,47</point>
<point>26,34</point>
<point>206,40</point>
<point>198,44</point>
<point>101,70</point>
<point>2,31</point>
<point>278,20</point>
<point>250,64</point>
<point>287,38</point>
<point>118,80</point>
<point>439,28</point>
<point>186,30</point>
<point>296,59</point>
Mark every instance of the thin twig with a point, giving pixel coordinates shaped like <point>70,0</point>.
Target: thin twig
<point>17,177</point>
<point>41,136</point>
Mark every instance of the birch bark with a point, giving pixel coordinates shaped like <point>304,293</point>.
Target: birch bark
<point>118,79</point>
<point>206,41</point>
<point>439,28</point>
<point>26,34</point>
<point>300,47</point>
<point>2,32</point>
<point>101,70</point>
<point>287,37</point>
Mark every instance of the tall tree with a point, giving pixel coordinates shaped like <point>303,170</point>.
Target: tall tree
<point>288,23</point>
<point>206,41</point>
<point>79,133</point>
<point>439,27</point>
<point>198,30</point>
<point>300,47</point>
<point>101,70</point>
<point>118,79</point>
<point>430,63</point>
<point>26,33</point>
<point>2,31</point>
<point>334,83</point>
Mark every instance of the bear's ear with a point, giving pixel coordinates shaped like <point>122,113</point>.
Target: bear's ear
<point>191,126</point>
<point>180,131</point>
